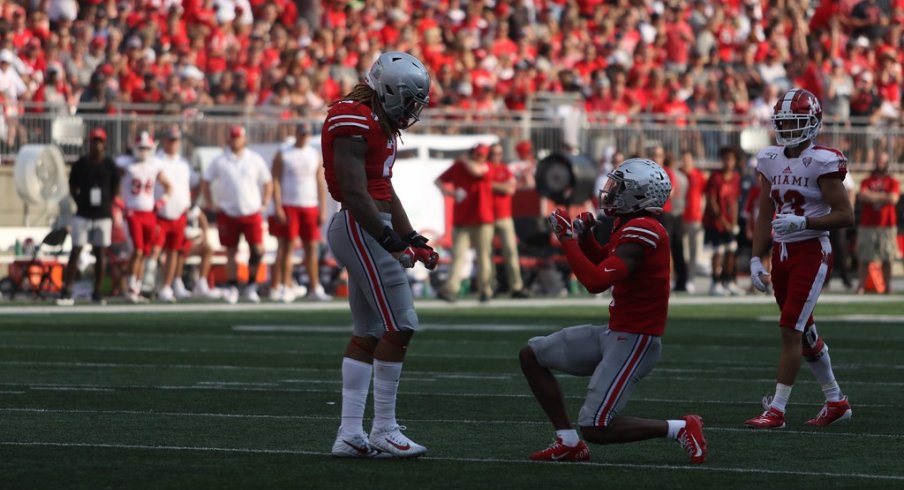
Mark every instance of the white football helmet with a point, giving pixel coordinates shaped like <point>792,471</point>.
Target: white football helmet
<point>797,117</point>
<point>403,85</point>
<point>636,185</point>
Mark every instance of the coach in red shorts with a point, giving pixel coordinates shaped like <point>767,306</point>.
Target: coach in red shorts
<point>238,184</point>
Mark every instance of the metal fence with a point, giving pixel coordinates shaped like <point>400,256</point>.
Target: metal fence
<point>549,130</point>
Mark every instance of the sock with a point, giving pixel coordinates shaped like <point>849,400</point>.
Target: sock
<point>675,426</point>
<point>386,386</point>
<point>780,400</point>
<point>568,437</point>
<point>355,385</point>
<point>822,371</point>
<point>134,284</point>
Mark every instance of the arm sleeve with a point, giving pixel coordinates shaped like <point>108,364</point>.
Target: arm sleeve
<point>592,248</point>
<point>596,278</point>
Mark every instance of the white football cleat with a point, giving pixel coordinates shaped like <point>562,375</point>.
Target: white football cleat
<point>355,446</point>
<point>179,290</point>
<point>231,295</point>
<point>166,295</point>
<point>276,293</point>
<point>392,441</point>
<point>250,294</point>
<point>318,294</point>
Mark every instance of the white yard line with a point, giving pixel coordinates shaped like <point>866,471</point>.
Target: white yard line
<point>701,468</point>
<point>421,305</point>
<point>254,387</point>
<point>824,432</point>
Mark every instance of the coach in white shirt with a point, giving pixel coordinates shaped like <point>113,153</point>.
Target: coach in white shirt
<point>171,217</point>
<point>242,188</point>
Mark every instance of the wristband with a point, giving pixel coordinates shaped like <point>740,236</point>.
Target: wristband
<point>416,240</point>
<point>391,241</point>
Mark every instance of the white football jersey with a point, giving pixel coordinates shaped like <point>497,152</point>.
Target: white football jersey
<point>795,183</point>
<point>181,179</point>
<point>137,184</point>
<point>299,176</point>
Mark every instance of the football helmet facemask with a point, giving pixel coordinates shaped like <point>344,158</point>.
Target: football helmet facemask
<point>636,185</point>
<point>402,84</point>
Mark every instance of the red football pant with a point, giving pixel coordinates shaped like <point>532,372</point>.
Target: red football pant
<point>798,275</point>
<point>142,230</point>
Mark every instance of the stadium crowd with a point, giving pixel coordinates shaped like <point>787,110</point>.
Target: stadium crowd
<point>678,58</point>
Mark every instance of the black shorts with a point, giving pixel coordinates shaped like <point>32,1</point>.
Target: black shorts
<point>718,238</point>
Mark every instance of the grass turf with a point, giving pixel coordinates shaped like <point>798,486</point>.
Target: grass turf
<point>187,401</point>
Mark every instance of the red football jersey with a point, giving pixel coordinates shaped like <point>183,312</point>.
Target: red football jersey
<point>350,118</point>
<point>640,303</point>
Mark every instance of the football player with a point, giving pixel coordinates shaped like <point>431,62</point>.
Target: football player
<point>802,198</point>
<point>635,264</point>
<point>140,174</point>
<point>373,239</point>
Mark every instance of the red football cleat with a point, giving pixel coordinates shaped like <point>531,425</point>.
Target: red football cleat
<point>770,419</point>
<point>833,413</point>
<point>560,452</point>
<point>692,440</point>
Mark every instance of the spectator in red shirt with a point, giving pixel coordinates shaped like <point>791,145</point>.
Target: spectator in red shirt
<point>469,182</point>
<point>877,233</point>
<point>504,186</point>
<point>720,222</point>
<point>693,212</point>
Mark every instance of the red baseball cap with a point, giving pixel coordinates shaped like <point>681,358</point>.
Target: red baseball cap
<point>482,150</point>
<point>236,131</point>
<point>98,134</point>
<point>144,140</point>
<point>523,147</point>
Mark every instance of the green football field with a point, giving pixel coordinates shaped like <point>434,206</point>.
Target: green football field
<point>237,398</point>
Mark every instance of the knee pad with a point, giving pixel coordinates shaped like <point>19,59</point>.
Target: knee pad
<point>812,345</point>
<point>394,342</point>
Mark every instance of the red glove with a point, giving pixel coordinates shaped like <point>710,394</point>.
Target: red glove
<point>159,203</point>
<point>412,255</point>
<point>560,223</point>
<point>584,223</point>
<point>427,256</point>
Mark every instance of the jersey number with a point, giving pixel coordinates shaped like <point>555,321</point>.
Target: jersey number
<point>792,198</point>
<point>138,186</point>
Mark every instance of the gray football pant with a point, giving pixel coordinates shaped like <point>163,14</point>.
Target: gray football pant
<point>615,362</point>
<point>378,292</point>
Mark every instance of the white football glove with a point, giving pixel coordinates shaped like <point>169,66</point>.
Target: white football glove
<point>784,224</point>
<point>757,273</point>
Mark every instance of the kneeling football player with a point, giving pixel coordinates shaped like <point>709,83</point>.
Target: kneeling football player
<point>635,263</point>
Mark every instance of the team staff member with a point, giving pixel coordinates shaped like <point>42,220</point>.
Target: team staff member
<point>878,231</point>
<point>693,213</point>
<point>468,181</point>
<point>93,183</point>
<point>239,183</point>
<point>299,196</point>
<point>504,185</point>
<point>720,222</point>
<point>171,217</point>
<point>373,239</point>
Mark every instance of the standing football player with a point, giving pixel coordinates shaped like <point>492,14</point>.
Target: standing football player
<point>635,264</point>
<point>372,237</point>
<point>140,174</point>
<point>802,190</point>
